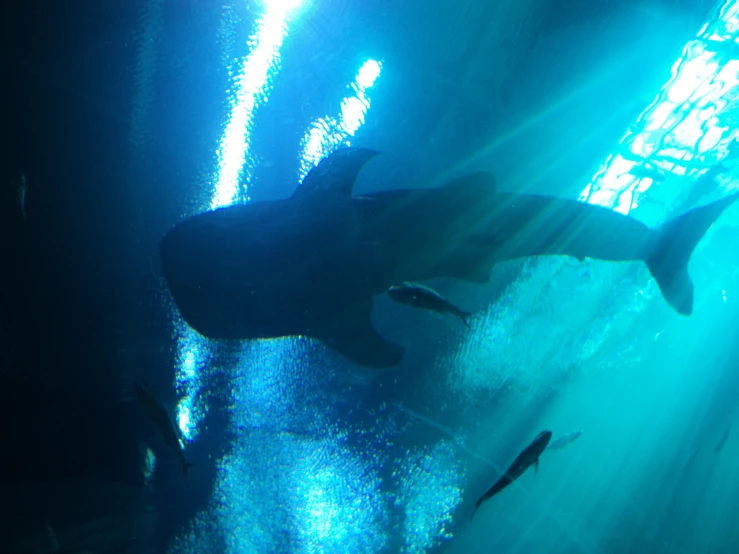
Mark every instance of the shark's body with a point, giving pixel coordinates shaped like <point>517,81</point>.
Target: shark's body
<point>528,457</point>
<point>311,264</point>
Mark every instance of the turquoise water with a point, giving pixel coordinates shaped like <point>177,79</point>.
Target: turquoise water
<point>394,462</point>
<point>567,346</point>
<point>629,106</point>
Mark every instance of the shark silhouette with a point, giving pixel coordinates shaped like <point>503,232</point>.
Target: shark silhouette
<point>311,264</point>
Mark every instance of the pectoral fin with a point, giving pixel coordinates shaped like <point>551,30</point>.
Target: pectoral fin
<point>352,335</point>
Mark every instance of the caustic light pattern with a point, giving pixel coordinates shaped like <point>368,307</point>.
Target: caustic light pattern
<point>686,137</point>
<point>309,492</point>
<point>681,151</point>
<point>328,133</point>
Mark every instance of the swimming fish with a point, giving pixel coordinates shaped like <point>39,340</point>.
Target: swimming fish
<point>419,296</point>
<point>528,457</point>
<point>163,421</point>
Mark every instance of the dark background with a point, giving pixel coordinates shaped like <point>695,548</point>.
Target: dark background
<point>79,319</point>
<point>67,276</point>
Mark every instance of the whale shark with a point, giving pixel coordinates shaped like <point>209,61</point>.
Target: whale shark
<point>310,264</point>
<point>528,457</point>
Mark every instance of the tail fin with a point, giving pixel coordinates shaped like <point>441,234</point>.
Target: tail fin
<point>676,240</point>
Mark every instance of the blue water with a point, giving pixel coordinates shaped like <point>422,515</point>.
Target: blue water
<point>297,449</point>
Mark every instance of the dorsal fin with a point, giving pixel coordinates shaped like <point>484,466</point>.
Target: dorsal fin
<point>335,174</point>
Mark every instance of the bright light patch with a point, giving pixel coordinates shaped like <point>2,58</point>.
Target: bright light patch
<point>184,409</point>
<point>250,88</point>
<point>353,110</point>
<point>325,503</point>
<point>680,152</point>
<point>430,482</point>
<point>368,74</point>
<point>258,384</point>
<point>692,75</point>
<point>288,483</point>
<point>686,130</point>
<point>281,492</point>
<point>328,133</point>
<point>284,5</point>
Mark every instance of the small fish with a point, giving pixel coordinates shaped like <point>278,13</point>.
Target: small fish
<point>162,419</point>
<point>529,457</point>
<point>418,296</point>
<point>563,440</point>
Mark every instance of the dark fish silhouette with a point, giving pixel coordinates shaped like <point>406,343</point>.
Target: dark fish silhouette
<point>311,264</point>
<point>163,421</point>
<point>529,456</point>
<point>418,296</point>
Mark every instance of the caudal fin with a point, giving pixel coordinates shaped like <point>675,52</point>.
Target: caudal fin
<point>676,240</point>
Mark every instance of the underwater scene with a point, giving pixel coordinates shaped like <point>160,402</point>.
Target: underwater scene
<point>343,276</point>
